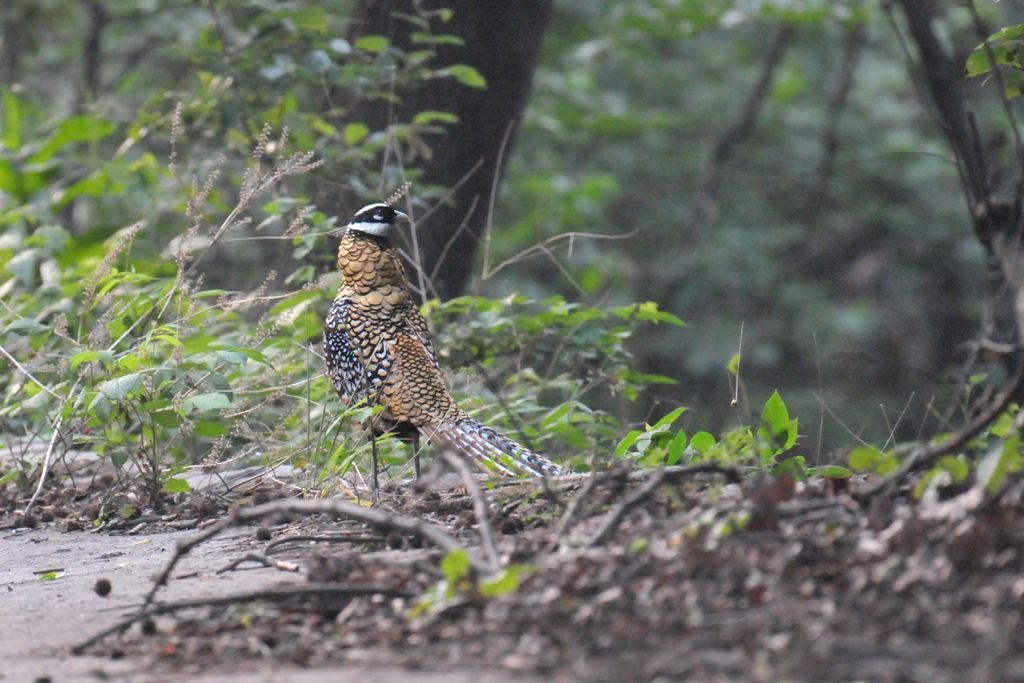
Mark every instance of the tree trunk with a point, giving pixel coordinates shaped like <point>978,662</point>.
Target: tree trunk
<point>502,40</point>
<point>998,221</point>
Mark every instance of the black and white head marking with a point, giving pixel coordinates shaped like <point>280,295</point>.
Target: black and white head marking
<point>376,219</point>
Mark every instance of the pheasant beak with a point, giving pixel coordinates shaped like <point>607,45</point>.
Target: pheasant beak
<point>399,216</point>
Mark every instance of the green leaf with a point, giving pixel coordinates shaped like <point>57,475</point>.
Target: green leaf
<point>118,388</point>
<point>442,39</point>
<point>232,357</point>
<point>795,466</point>
<point>375,44</point>
<point>177,486</point>
<point>455,565</point>
<point>830,471</point>
<point>504,582</point>
<point>775,414</point>
<point>650,312</point>
<point>1001,459</point>
<point>870,459</point>
<point>426,117</point>
<point>978,63</point>
<point>95,184</point>
<point>251,354</point>
<point>864,458</point>
<point>11,121</point>
<point>100,407</point>
<point>169,338</point>
<point>26,325</point>
<point>627,441</point>
<point>676,448</point>
<point>556,415</point>
<point>702,442</point>
<point>1004,423</point>
<point>209,401</point>
<point>83,128</point>
<point>466,75</point>
<point>957,468</point>
<point>776,427</point>
<point>640,378</point>
<point>84,357</point>
<point>10,180</point>
<point>210,429</point>
<point>669,419</point>
<point>24,266</point>
<point>50,576</point>
<point>354,133</point>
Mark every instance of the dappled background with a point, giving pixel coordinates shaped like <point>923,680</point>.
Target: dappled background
<point>769,172</point>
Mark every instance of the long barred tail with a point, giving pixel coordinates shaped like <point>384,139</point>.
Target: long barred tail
<point>492,450</point>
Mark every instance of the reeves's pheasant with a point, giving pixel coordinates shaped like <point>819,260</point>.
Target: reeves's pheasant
<point>379,351</point>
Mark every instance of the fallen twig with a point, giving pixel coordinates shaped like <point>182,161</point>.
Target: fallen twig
<point>283,565</point>
<point>316,590</point>
<point>654,482</point>
<point>572,509</point>
<point>479,506</point>
<point>336,508</point>
<point>926,454</point>
<point>336,538</point>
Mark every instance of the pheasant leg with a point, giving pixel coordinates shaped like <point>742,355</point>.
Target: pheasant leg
<point>416,454</point>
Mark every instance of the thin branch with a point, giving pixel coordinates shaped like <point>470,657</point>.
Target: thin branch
<point>541,247</point>
<point>660,478</point>
<point>706,203</point>
<point>925,455</point>
<point>455,236</point>
<point>1000,83</point>
<point>835,417</point>
<point>894,427</point>
<point>336,508</point>
<point>92,51</point>
<point>259,559</point>
<point>494,197</point>
<point>315,590</point>
<point>28,374</point>
<point>47,459</point>
<point>853,46</point>
<point>336,538</point>
<point>575,505</point>
<point>944,85</point>
<point>479,506</point>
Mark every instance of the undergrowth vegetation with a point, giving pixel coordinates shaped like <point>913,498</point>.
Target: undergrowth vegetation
<point>130,357</point>
<point>135,328</point>
<point>135,360</point>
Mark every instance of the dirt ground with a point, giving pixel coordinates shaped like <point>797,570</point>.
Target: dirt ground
<point>41,620</point>
<point>627,576</point>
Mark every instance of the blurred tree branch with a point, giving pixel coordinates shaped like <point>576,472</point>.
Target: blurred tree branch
<point>706,205</point>
<point>996,220</point>
<point>92,51</point>
<point>853,46</point>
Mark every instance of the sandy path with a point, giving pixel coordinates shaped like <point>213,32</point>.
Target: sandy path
<point>41,620</point>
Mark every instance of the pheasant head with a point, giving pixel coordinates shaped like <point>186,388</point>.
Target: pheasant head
<point>376,219</point>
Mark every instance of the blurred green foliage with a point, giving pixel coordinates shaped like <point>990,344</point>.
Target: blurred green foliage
<point>839,237</point>
<point>821,213</point>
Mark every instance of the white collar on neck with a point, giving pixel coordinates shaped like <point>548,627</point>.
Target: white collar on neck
<point>370,228</point>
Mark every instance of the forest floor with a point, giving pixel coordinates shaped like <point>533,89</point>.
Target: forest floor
<point>627,576</point>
